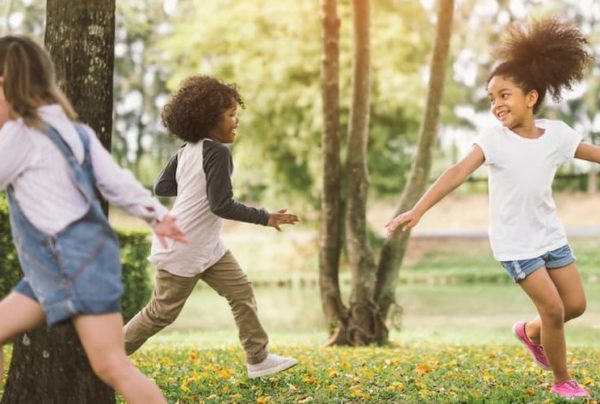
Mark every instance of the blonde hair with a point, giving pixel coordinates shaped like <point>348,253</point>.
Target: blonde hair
<point>29,79</point>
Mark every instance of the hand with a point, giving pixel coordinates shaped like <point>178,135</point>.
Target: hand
<point>275,219</point>
<point>167,228</point>
<point>405,221</point>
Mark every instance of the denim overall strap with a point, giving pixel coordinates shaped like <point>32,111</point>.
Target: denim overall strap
<point>82,175</point>
<point>78,269</point>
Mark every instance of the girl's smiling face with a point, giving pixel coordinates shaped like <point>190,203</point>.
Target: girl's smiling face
<point>509,103</point>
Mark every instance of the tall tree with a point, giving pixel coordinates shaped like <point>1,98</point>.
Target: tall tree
<point>49,364</point>
<point>394,249</point>
<point>331,241</point>
<point>373,285</point>
<point>364,324</point>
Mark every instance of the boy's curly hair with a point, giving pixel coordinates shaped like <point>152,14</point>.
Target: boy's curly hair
<point>547,56</point>
<point>197,107</point>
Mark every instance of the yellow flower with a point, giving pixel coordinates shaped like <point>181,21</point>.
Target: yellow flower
<point>423,369</point>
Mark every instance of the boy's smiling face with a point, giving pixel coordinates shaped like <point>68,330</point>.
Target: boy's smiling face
<point>224,132</point>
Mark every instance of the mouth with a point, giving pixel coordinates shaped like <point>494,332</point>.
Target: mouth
<point>502,114</point>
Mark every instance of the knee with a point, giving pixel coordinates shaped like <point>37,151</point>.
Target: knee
<point>553,313</point>
<point>575,310</point>
<point>161,316</point>
<point>110,368</point>
<point>240,295</point>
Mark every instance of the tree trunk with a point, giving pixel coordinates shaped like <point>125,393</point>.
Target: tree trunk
<point>330,246</point>
<point>80,36</point>
<point>364,323</point>
<point>394,249</point>
<point>49,365</point>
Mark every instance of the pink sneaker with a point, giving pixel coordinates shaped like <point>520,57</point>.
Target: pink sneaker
<point>536,351</point>
<point>569,389</point>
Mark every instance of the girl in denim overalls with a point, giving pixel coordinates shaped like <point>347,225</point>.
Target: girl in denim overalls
<point>50,167</point>
<point>522,156</point>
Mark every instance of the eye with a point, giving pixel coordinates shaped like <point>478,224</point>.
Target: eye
<point>505,96</point>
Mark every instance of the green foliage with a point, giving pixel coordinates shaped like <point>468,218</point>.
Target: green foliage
<point>137,287</point>
<point>273,53</point>
<point>412,373</point>
<point>134,250</point>
<point>9,262</point>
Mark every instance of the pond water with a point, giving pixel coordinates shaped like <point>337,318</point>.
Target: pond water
<point>474,313</point>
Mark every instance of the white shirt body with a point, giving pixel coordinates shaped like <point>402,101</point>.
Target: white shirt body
<point>41,178</point>
<point>523,220</point>
<point>195,218</point>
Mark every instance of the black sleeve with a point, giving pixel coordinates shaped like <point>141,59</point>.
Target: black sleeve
<point>218,166</point>
<point>166,184</point>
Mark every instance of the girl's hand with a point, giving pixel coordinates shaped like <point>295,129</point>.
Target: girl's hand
<point>167,228</point>
<point>276,219</point>
<point>405,221</point>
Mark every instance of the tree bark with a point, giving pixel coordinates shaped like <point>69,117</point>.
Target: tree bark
<point>330,236</point>
<point>364,322</point>
<point>49,365</point>
<point>394,249</point>
<point>80,36</point>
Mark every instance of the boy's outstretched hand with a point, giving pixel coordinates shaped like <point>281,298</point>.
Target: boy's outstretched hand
<point>405,221</point>
<point>167,228</point>
<point>276,219</point>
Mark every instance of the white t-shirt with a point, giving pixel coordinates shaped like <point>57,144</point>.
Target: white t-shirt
<point>41,178</point>
<point>523,219</point>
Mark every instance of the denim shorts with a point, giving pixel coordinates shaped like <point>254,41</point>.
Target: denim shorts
<point>519,270</point>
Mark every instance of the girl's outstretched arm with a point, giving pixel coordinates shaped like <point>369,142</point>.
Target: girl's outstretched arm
<point>445,184</point>
<point>588,151</point>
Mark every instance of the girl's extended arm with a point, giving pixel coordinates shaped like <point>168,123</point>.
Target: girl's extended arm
<point>589,152</point>
<point>445,184</point>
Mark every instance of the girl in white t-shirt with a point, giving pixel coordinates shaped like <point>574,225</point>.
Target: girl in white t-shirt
<point>50,166</point>
<point>522,156</point>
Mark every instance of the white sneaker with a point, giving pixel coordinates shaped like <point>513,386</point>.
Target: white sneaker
<point>271,365</point>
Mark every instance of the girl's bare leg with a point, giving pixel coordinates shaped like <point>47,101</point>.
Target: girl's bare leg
<point>544,294</point>
<point>102,338</point>
<point>18,313</point>
<point>570,288</point>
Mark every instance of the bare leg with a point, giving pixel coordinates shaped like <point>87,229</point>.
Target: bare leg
<point>569,286</point>
<point>544,294</point>
<point>18,313</point>
<point>102,338</point>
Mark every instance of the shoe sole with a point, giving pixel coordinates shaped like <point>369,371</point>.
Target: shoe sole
<point>267,372</point>
<point>540,364</point>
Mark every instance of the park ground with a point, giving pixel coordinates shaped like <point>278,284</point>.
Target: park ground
<point>450,336</point>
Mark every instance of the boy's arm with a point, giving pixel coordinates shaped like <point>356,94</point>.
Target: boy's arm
<point>589,152</point>
<point>166,184</point>
<point>445,184</point>
<point>218,167</point>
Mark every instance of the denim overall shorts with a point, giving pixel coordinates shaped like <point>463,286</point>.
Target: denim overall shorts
<point>78,270</point>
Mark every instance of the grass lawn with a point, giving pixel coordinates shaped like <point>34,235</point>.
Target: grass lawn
<point>412,373</point>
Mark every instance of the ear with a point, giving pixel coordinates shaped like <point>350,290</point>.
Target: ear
<point>532,97</point>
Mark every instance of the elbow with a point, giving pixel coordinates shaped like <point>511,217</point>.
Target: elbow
<point>219,210</point>
<point>161,189</point>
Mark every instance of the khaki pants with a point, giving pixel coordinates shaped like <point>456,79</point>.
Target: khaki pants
<point>171,291</point>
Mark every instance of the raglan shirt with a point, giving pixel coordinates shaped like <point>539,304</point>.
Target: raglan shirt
<point>199,175</point>
<point>523,220</point>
